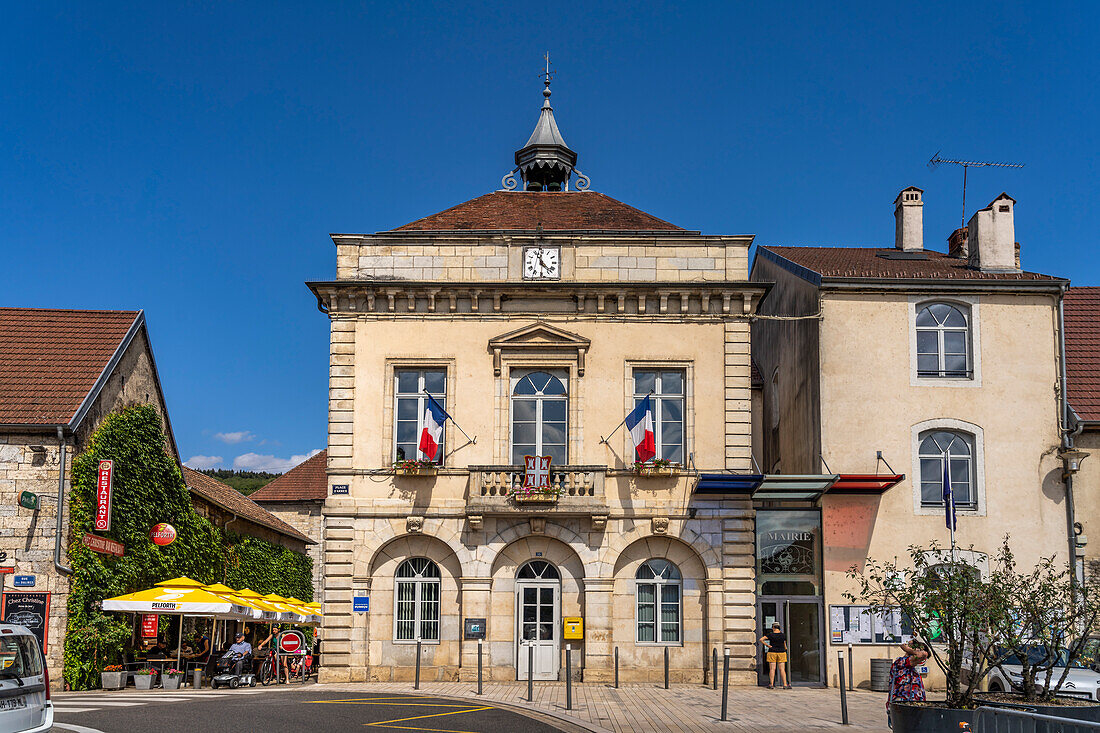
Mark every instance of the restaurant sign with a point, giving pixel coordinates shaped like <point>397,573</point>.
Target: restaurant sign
<point>162,534</point>
<point>149,625</point>
<point>104,486</point>
<point>103,545</point>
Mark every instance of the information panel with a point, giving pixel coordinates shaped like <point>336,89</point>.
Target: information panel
<point>858,625</point>
<point>28,609</point>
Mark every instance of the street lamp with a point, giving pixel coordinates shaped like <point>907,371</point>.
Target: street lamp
<point>1071,461</point>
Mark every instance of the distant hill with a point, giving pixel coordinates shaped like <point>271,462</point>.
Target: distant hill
<point>243,481</point>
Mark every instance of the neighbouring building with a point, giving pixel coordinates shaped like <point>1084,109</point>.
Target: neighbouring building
<point>881,365</point>
<point>537,318</point>
<point>1082,319</point>
<point>297,498</point>
<point>231,511</point>
<point>61,373</point>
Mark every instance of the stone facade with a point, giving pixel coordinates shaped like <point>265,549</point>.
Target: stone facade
<point>458,303</point>
<point>305,516</point>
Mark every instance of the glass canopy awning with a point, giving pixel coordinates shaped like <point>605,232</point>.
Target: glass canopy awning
<point>794,487</point>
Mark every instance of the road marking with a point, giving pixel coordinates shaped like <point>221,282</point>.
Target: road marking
<point>112,703</point>
<point>63,710</point>
<point>77,728</point>
<point>390,723</point>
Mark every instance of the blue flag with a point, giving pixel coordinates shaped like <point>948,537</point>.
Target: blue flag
<point>948,495</point>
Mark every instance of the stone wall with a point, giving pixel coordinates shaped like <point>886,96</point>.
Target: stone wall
<point>306,517</point>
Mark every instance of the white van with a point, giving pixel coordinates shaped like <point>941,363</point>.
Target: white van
<point>25,705</point>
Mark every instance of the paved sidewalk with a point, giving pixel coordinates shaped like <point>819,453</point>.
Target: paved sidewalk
<point>683,708</point>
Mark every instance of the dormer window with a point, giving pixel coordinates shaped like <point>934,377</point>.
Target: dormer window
<point>943,341</point>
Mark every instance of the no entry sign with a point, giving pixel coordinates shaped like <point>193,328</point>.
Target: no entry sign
<point>292,642</point>
<point>104,486</point>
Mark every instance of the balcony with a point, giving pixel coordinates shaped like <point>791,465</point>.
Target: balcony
<point>575,491</point>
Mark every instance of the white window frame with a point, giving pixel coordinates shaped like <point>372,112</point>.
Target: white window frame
<point>421,406</point>
<point>514,378</point>
<point>969,306</point>
<point>978,464</point>
<point>968,438</point>
<point>657,398</point>
<point>418,582</point>
<point>658,604</point>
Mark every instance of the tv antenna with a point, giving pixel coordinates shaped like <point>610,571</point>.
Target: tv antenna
<point>937,160</point>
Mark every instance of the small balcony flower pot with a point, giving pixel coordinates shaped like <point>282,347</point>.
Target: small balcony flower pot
<point>535,497</point>
<point>171,681</point>
<point>144,681</point>
<point>415,470</point>
<point>112,680</point>
<point>658,471</point>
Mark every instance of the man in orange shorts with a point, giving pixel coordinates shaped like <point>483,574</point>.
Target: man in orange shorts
<point>776,655</point>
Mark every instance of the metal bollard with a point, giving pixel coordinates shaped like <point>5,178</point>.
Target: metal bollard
<point>843,691</point>
<point>714,669</point>
<point>479,666</point>
<point>416,684</point>
<point>616,668</point>
<point>568,677</point>
<point>666,667</point>
<point>850,675</point>
<point>530,673</point>
<point>725,683</point>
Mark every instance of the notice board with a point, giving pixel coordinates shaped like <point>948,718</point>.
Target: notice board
<point>857,625</point>
<point>28,609</point>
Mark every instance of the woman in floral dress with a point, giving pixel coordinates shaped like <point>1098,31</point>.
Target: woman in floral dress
<point>906,684</point>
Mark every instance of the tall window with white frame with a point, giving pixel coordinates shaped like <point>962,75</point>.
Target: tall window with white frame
<point>943,341</point>
<point>938,447</point>
<point>410,403</point>
<point>659,589</point>
<point>416,601</point>
<point>540,406</point>
<point>667,389</point>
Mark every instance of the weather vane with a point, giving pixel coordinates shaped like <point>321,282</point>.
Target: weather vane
<point>547,75</point>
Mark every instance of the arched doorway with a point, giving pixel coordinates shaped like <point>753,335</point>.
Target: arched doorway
<point>538,620</point>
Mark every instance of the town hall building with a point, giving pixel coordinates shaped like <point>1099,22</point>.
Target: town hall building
<point>528,322</point>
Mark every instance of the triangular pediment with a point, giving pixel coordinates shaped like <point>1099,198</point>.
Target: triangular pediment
<point>539,334</point>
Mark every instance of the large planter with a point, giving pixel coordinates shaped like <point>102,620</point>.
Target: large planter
<point>112,680</point>
<point>1090,713</point>
<point>171,681</point>
<point>658,471</point>
<point>415,470</point>
<point>144,681</point>
<point>927,719</point>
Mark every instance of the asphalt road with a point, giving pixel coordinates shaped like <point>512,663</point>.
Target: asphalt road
<point>303,710</point>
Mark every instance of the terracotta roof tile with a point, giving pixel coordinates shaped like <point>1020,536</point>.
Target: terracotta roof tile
<point>229,498</point>
<point>1082,313</point>
<point>305,482</point>
<point>865,262</point>
<point>50,360</point>
<point>523,210</point>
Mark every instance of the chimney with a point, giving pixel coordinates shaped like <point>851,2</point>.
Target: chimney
<point>957,244</point>
<point>992,237</point>
<point>909,220</point>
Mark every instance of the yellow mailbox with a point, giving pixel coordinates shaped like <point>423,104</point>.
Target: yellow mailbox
<point>574,628</point>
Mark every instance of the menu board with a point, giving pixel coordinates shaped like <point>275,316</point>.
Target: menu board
<point>858,625</point>
<point>31,610</point>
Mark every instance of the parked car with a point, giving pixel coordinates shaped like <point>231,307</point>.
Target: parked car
<point>25,705</point>
<point>1081,681</point>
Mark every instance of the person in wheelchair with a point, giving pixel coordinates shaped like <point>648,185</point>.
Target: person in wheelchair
<point>243,654</point>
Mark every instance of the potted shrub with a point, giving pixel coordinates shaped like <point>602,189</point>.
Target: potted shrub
<point>411,467</point>
<point>144,678</point>
<point>656,467</point>
<point>112,677</point>
<point>171,679</point>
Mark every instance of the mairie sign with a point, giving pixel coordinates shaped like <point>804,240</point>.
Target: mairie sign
<point>103,545</point>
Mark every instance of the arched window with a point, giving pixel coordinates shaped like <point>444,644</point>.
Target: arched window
<point>943,342</point>
<point>539,424</point>
<point>946,448</point>
<point>659,588</point>
<point>416,600</point>
<point>538,570</point>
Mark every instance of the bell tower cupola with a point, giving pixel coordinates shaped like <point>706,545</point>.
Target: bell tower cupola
<point>546,163</point>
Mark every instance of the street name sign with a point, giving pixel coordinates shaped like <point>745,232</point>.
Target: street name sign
<point>23,581</point>
<point>360,604</point>
<point>95,543</point>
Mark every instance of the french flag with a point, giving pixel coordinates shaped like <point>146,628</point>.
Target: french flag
<point>640,424</point>
<point>431,437</point>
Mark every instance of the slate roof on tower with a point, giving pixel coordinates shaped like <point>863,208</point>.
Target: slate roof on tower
<point>553,211</point>
<point>1082,313</point>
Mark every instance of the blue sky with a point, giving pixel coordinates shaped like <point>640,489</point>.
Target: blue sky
<point>191,158</point>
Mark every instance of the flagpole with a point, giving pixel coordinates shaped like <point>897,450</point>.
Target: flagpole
<point>621,423</point>
<point>472,440</point>
<point>949,503</point>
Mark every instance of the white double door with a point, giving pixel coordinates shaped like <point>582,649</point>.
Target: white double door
<point>538,625</point>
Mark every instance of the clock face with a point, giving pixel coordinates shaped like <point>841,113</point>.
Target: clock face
<point>542,263</point>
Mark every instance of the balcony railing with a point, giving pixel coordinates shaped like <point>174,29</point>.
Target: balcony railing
<point>573,490</point>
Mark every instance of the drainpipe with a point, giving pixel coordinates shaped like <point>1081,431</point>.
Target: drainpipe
<point>63,569</point>
<point>1067,437</point>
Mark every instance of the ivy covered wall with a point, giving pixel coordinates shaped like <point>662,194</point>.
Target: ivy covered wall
<point>149,488</point>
